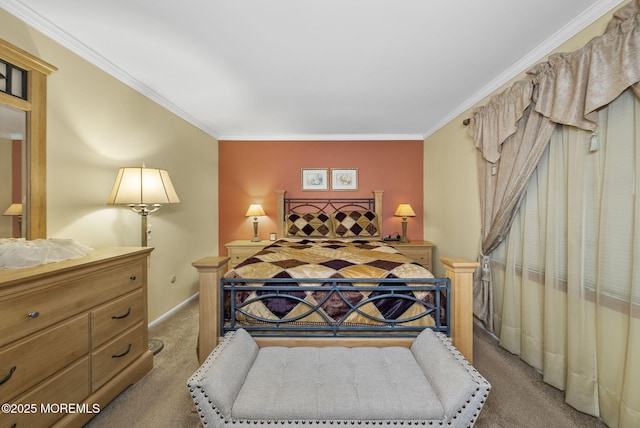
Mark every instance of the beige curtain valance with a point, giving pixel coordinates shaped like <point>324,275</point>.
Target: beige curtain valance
<point>573,86</point>
<point>493,123</point>
<point>568,88</point>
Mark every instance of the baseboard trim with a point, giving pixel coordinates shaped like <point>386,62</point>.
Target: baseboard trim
<point>174,310</point>
<point>481,325</point>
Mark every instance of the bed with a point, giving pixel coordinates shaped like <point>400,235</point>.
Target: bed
<point>333,287</point>
<point>228,302</point>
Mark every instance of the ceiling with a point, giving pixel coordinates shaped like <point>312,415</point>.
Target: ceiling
<point>311,69</point>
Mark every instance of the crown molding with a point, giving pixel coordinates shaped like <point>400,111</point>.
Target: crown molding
<point>324,137</point>
<point>46,27</point>
<point>588,17</point>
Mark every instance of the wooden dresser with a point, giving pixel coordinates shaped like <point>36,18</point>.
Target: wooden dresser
<point>74,334</point>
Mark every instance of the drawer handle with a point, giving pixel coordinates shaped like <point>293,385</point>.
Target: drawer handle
<point>123,354</point>
<point>33,314</point>
<point>119,317</point>
<point>133,278</point>
<point>7,377</point>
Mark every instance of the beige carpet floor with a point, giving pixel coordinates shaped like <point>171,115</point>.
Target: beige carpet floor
<point>161,399</point>
<point>518,397</point>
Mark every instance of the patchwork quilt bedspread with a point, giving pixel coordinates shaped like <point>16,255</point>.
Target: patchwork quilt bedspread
<point>287,258</point>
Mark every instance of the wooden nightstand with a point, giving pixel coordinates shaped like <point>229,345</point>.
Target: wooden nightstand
<point>420,251</point>
<point>241,249</point>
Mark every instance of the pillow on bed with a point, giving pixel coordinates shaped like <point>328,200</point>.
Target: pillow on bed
<point>362,224</point>
<point>309,225</point>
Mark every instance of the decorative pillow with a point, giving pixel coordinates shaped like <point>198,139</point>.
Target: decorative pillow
<point>309,225</point>
<point>361,224</point>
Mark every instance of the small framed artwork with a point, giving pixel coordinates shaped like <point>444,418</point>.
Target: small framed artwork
<point>344,179</point>
<point>315,179</point>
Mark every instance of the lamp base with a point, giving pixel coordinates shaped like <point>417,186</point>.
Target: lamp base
<point>255,230</point>
<point>155,346</point>
<point>404,231</point>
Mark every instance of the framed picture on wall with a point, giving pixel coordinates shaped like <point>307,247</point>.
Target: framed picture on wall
<point>344,179</point>
<point>315,179</point>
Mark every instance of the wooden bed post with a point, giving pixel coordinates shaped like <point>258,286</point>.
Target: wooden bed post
<point>211,270</point>
<point>280,226</point>
<point>377,197</point>
<point>460,272</point>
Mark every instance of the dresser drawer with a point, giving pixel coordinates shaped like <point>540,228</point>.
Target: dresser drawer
<point>71,385</point>
<point>26,313</point>
<point>39,356</point>
<point>113,318</point>
<point>115,355</point>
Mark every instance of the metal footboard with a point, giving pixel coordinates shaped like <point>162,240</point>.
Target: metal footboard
<point>296,289</point>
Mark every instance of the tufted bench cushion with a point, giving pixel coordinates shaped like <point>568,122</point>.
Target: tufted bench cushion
<point>336,383</point>
<point>241,384</point>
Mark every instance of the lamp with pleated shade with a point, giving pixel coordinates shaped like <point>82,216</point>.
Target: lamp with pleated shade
<point>404,211</point>
<point>255,211</point>
<point>144,190</point>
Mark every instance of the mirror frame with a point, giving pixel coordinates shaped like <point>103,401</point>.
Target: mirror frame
<point>36,148</point>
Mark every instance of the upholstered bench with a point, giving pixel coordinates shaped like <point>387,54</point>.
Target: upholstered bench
<point>429,383</point>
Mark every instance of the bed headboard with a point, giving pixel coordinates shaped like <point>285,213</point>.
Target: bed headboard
<point>325,205</point>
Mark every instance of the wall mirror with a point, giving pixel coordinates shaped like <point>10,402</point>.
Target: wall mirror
<point>12,171</point>
<point>23,147</point>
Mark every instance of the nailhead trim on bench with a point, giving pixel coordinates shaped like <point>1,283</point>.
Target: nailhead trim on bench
<point>472,371</point>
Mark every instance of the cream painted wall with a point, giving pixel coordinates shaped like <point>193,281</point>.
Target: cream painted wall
<point>452,201</point>
<point>96,124</point>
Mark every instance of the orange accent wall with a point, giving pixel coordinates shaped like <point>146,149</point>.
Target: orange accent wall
<point>251,171</point>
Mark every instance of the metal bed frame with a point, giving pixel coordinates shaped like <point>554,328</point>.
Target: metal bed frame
<point>292,205</point>
<point>264,327</point>
<point>388,287</point>
<point>286,206</point>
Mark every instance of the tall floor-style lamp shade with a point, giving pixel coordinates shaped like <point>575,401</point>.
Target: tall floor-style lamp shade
<point>255,211</point>
<point>144,190</point>
<point>404,211</point>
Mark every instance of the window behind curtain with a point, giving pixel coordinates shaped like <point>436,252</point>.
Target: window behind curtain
<point>610,210</point>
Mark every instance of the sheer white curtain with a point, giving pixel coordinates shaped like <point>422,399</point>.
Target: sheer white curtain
<point>567,277</point>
